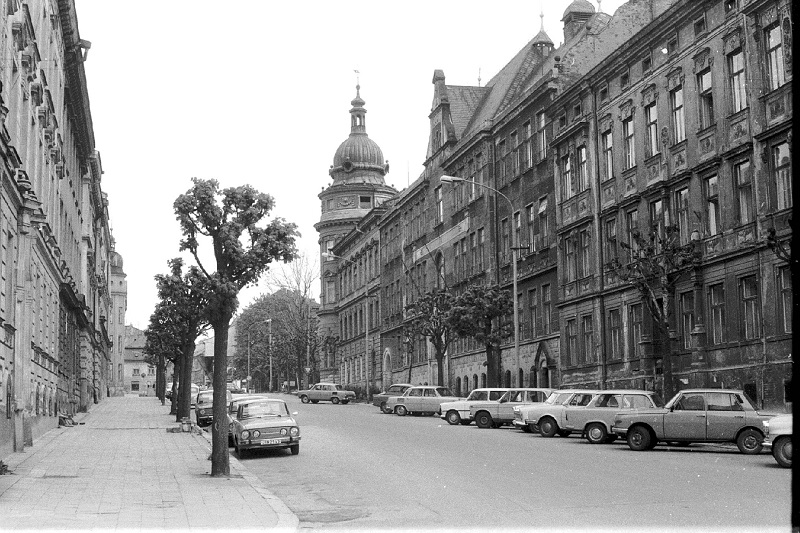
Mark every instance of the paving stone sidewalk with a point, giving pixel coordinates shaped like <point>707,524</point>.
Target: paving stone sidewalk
<point>121,469</point>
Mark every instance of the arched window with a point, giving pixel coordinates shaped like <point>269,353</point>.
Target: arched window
<point>483,380</point>
<point>521,378</point>
<point>508,378</point>
<point>533,382</point>
<point>458,385</point>
<point>475,381</point>
<point>466,385</point>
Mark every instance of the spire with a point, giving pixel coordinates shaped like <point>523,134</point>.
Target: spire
<point>542,37</point>
<point>357,113</point>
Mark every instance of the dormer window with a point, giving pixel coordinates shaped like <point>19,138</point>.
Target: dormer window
<point>625,79</point>
<point>576,111</point>
<point>364,202</point>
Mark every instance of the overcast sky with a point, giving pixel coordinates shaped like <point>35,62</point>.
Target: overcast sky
<point>258,92</point>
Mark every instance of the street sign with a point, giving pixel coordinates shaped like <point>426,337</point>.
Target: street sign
<point>249,378</point>
<point>308,369</point>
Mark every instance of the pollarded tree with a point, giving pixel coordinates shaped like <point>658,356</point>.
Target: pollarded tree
<point>175,324</point>
<point>654,265</point>
<point>429,316</point>
<point>480,312</point>
<point>243,251</point>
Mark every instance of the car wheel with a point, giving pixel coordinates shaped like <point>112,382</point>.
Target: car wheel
<point>304,399</point>
<point>484,420</point>
<point>639,439</point>
<point>401,410</point>
<point>295,449</point>
<point>596,433</point>
<point>335,400</point>
<point>239,451</point>
<point>749,441</point>
<point>453,418</point>
<point>782,451</point>
<point>548,427</point>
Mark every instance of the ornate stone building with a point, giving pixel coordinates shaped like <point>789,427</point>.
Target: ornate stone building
<point>55,236</point>
<point>668,112</point>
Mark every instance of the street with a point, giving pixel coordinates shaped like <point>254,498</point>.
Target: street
<point>362,469</point>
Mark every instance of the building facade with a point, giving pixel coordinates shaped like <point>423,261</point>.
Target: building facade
<point>116,324</point>
<point>666,114</point>
<point>55,236</point>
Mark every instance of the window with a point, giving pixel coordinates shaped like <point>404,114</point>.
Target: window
<point>546,309</point>
<point>586,354</point>
<point>744,192</point>
<point>678,125</point>
<point>531,215</point>
<point>672,45</point>
<point>730,6</point>
<point>625,79</point>
<point>608,154</point>
<point>657,220</point>
<point>610,238</point>
<point>576,111</point>
<point>364,202</point>
<point>775,65</point>
<point>481,246</point>
<point>473,253</point>
<point>500,161</point>
<point>628,144</point>
<point>700,25</point>
<point>572,341</point>
<point>505,236</point>
<point>782,168</point>
<point>543,225</point>
<point>711,192</point>
<point>686,303</point>
<point>785,299</point>
<point>517,233</point>
<point>541,135</point>
<point>439,206</point>
<point>614,334</point>
<point>567,186</point>
<point>651,120</point>
<point>737,80</point>
<point>750,319</point>
<point>136,371</point>
<point>705,98</point>
<point>526,153</point>
<point>681,204</point>
<point>691,402</point>
<point>134,386</point>
<point>632,225</point>
<point>647,63</point>
<point>569,258</point>
<point>532,311</point>
<point>584,266</point>
<point>514,155</point>
<point>635,316</point>
<point>583,172</point>
<point>604,93</point>
<point>716,304</point>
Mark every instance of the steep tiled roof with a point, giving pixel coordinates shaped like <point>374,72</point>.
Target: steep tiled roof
<point>464,100</point>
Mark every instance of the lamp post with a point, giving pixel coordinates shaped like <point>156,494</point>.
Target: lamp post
<point>514,248</point>
<point>367,357</point>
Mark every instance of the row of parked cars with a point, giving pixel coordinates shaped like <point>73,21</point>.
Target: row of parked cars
<point>638,417</point>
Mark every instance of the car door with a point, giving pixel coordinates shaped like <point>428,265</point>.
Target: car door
<point>413,401</point>
<point>724,415</point>
<point>430,401</point>
<point>603,408</point>
<point>687,419</point>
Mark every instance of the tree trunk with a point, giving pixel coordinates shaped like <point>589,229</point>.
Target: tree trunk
<point>492,366</point>
<point>173,410</point>
<point>185,385</point>
<point>220,464</point>
<point>666,360</point>
<point>440,368</point>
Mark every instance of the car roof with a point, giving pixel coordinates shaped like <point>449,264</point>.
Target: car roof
<point>403,385</point>
<point>711,390</point>
<point>577,390</point>
<point>494,388</point>
<point>626,391</point>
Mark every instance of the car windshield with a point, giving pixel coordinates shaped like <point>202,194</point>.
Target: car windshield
<point>557,398</point>
<point>205,397</point>
<point>262,409</point>
<point>443,391</point>
<point>338,387</point>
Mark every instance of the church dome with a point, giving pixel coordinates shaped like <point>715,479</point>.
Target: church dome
<point>358,152</point>
<point>579,7</point>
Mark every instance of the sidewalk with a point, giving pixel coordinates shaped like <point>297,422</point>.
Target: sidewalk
<point>121,469</point>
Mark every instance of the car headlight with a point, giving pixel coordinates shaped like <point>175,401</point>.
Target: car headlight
<point>202,411</point>
<point>245,435</point>
<point>284,432</point>
<point>294,432</point>
<point>256,434</point>
<point>766,426</point>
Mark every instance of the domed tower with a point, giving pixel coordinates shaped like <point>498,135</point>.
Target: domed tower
<point>575,17</point>
<point>358,172</point>
<point>118,289</point>
<point>542,42</point>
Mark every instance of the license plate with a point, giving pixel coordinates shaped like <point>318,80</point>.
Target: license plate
<point>271,441</point>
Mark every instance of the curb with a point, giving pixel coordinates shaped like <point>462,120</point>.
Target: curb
<point>287,520</point>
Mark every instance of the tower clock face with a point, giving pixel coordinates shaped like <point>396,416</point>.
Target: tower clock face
<point>347,166</point>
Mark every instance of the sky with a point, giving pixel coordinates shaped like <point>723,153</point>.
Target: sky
<point>258,92</point>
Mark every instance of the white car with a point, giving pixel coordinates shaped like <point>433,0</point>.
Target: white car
<point>458,412</point>
<point>422,399</point>
<point>548,418</point>
<point>778,431</point>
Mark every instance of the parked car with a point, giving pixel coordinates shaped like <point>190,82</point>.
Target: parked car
<point>265,424</point>
<point>204,406</point>
<point>233,408</point>
<point>395,389</point>
<point>594,420</point>
<point>195,390</point>
<point>326,392</point>
<point>496,414</point>
<point>696,415</point>
<point>778,435</point>
<point>548,418</point>
<point>556,397</point>
<point>420,399</point>
<point>458,412</point>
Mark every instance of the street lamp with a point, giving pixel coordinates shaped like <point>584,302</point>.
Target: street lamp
<point>367,357</point>
<point>249,377</point>
<point>514,248</point>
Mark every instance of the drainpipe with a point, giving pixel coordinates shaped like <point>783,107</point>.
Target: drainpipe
<point>599,247</point>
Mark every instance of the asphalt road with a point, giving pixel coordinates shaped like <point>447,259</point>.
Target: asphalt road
<point>361,469</point>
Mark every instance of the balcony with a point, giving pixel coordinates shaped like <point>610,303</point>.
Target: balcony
<point>576,207</point>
